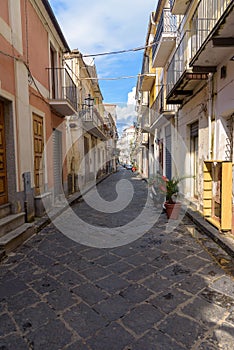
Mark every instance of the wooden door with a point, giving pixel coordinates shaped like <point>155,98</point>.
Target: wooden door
<point>161,156</point>
<point>3,167</point>
<point>38,154</point>
<point>58,163</point>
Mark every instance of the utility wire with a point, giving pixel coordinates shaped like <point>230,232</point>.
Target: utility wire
<point>117,52</point>
<point>119,78</point>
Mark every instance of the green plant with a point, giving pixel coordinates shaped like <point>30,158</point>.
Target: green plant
<point>167,187</point>
<point>172,189</point>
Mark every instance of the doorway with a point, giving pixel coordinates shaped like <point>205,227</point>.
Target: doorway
<point>38,140</point>
<point>3,165</point>
<point>194,157</point>
<point>58,164</point>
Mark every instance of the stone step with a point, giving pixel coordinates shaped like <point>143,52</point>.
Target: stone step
<point>5,209</point>
<point>16,237</point>
<point>11,222</point>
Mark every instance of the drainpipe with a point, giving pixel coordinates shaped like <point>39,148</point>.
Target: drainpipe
<point>210,110</point>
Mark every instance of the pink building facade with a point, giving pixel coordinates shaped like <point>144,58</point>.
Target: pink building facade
<point>36,93</point>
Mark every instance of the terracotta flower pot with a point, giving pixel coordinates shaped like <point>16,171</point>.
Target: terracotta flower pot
<point>173,210</point>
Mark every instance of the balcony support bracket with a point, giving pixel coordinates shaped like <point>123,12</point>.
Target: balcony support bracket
<point>223,42</point>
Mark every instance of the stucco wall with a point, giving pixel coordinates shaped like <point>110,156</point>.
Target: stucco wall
<point>195,110</point>
<point>224,110</point>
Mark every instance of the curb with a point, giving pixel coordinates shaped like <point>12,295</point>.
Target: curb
<point>225,241</point>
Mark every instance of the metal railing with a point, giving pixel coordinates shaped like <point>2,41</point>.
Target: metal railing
<point>205,18</point>
<point>179,62</point>
<point>153,115</point>
<point>63,86</point>
<point>144,69</point>
<point>160,103</point>
<point>91,114</point>
<point>145,119</point>
<point>167,24</point>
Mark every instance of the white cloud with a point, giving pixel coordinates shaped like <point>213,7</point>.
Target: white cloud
<point>97,26</point>
<point>131,96</point>
<point>126,113</point>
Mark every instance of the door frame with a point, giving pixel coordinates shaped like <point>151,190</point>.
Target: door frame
<point>3,159</point>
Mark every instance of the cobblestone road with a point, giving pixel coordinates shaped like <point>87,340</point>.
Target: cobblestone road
<point>163,290</point>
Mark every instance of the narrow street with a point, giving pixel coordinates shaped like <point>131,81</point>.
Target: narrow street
<point>122,290</point>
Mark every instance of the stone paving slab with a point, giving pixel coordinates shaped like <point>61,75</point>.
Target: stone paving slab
<point>165,290</point>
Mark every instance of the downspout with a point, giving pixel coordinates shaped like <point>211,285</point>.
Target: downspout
<point>210,110</point>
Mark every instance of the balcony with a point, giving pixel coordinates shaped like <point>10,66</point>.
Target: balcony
<point>212,33</point>
<point>146,79</point>
<point>179,7</point>
<point>93,122</point>
<point>144,138</point>
<point>164,39</point>
<point>63,92</point>
<point>145,118</point>
<point>181,79</point>
<point>161,110</point>
<point>161,106</point>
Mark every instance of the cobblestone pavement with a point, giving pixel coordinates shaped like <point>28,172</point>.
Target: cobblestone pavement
<point>166,290</point>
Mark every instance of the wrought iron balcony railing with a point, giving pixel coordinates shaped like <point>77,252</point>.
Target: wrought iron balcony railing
<point>144,69</point>
<point>167,24</point>
<point>205,18</point>
<point>179,62</point>
<point>160,103</point>
<point>94,123</point>
<point>145,118</point>
<point>63,91</point>
<point>91,114</point>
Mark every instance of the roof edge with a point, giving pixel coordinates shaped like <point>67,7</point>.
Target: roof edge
<point>56,24</point>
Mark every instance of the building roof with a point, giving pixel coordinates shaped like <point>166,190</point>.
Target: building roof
<point>56,24</point>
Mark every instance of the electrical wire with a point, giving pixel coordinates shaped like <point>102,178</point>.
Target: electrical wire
<point>119,78</point>
<point>118,52</point>
<point>116,78</point>
<point>29,72</point>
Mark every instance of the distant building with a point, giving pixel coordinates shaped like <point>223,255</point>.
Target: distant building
<point>126,145</point>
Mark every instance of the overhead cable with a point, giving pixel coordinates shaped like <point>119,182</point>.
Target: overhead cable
<point>119,78</point>
<point>120,51</point>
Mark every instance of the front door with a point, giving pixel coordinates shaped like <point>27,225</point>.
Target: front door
<point>38,154</point>
<point>3,167</point>
<point>58,163</point>
<point>194,157</point>
<point>161,158</point>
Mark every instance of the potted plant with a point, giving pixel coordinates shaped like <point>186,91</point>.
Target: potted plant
<point>171,205</point>
<point>166,191</point>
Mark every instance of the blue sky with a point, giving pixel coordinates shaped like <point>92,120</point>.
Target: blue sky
<point>97,26</point>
